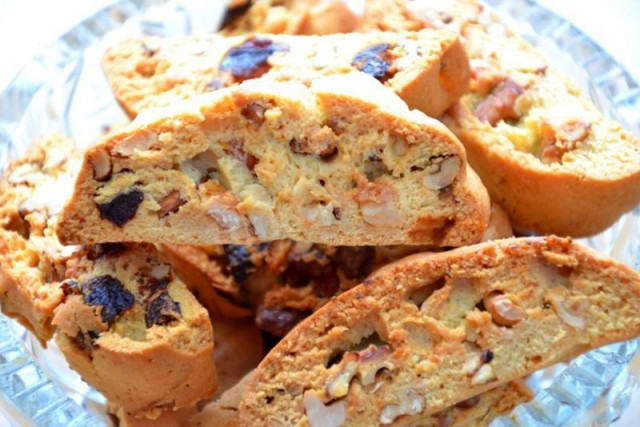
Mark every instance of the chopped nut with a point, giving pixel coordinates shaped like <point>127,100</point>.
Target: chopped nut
<point>170,203</point>
<point>338,385</point>
<point>571,312</point>
<point>101,163</point>
<point>23,173</point>
<point>376,203</point>
<point>139,141</point>
<point>323,143</point>
<point>264,224</point>
<point>160,271</point>
<point>222,207</point>
<point>410,404</point>
<point>321,415</point>
<point>483,376</point>
<point>500,104</point>
<point>254,113</point>
<point>556,141</point>
<point>319,214</point>
<point>503,311</point>
<point>447,171</point>
<point>472,364</point>
<point>236,149</point>
<point>381,215</point>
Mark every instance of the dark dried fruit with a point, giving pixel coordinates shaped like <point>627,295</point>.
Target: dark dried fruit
<point>304,266</point>
<point>337,213</point>
<point>355,261</point>
<point>122,208</point>
<point>279,321</point>
<point>303,146</point>
<point>109,293</point>
<point>86,341</point>
<point>469,403</point>
<point>375,61</point>
<point>500,104</point>
<point>326,286</point>
<point>170,203</point>
<point>240,263</point>
<point>250,59</point>
<point>100,250</point>
<point>161,310</point>
<point>486,356</point>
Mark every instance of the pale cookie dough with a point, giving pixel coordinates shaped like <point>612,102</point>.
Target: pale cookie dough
<point>435,329</point>
<point>343,162</point>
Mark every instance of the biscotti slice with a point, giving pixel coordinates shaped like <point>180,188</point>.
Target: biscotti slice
<point>428,70</point>
<point>343,162</point>
<point>538,143</point>
<point>343,16</point>
<point>122,316</point>
<point>32,192</point>
<point>132,330</point>
<point>434,329</point>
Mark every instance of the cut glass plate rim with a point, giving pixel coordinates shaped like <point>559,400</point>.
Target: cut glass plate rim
<point>593,389</point>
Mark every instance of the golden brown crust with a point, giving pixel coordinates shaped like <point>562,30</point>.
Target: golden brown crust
<point>444,327</point>
<point>245,177</point>
<point>428,70</point>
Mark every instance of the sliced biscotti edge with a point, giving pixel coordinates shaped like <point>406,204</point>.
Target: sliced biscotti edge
<point>342,162</point>
<point>439,328</point>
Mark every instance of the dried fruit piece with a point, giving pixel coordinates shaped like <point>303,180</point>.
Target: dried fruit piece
<point>375,61</point>
<point>250,59</point>
<point>279,322</point>
<point>355,261</point>
<point>161,310</point>
<point>503,311</point>
<point>240,263</point>
<point>108,293</point>
<point>170,203</point>
<point>122,208</point>
<point>500,104</point>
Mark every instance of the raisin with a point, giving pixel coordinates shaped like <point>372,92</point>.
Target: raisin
<point>161,310</point>
<point>487,356</point>
<point>122,208</point>
<point>374,61</point>
<point>279,321</point>
<point>240,263</point>
<point>469,403</point>
<point>108,293</point>
<point>305,266</point>
<point>326,286</point>
<point>249,60</point>
<point>355,261</point>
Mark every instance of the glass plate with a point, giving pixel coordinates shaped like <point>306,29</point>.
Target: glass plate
<point>62,90</point>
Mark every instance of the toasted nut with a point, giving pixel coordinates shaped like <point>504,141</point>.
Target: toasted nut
<point>338,385</point>
<point>254,113</point>
<point>222,207</point>
<point>319,214</point>
<point>500,104</point>
<point>503,311</point>
<point>571,312</point>
<point>160,271</point>
<point>23,173</point>
<point>410,404</point>
<point>101,163</point>
<point>170,203</point>
<point>381,214</point>
<point>444,176</point>
<point>137,142</point>
<point>483,376</point>
<point>321,415</point>
<point>372,360</point>
<point>472,364</point>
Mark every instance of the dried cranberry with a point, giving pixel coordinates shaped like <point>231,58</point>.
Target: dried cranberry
<point>240,263</point>
<point>161,310</point>
<point>374,61</point>
<point>355,261</point>
<point>279,321</point>
<point>249,60</point>
<point>108,293</point>
<point>122,208</point>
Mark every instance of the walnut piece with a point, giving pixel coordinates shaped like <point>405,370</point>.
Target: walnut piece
<point>500,104</point>
<point>321,415</point>
<point>364,364</point>
<point>411,403</point>
<point>101,163</point>
<point>222,207</point>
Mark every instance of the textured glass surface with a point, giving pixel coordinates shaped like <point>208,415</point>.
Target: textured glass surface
<point>63,90</point>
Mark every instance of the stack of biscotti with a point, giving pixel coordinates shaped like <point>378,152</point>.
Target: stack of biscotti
<point>290,182</point>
